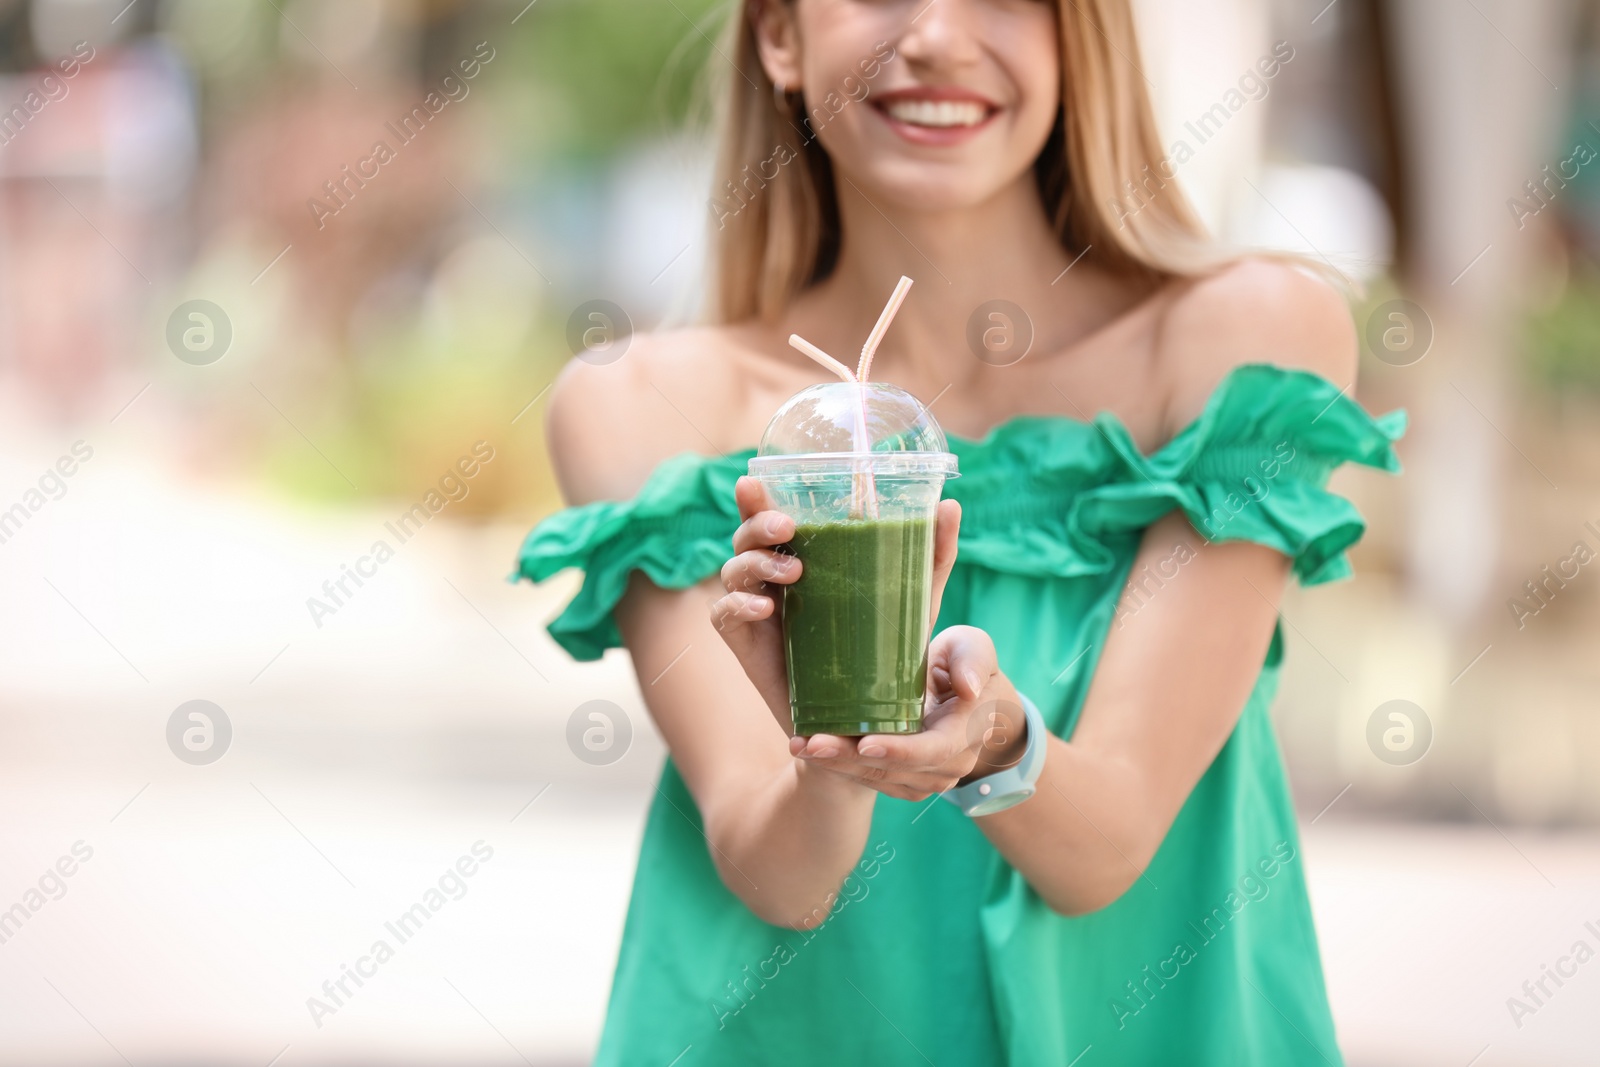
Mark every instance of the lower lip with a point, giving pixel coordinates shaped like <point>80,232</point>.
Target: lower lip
<point>935,135</point>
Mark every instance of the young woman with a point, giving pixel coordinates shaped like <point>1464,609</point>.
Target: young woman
<point>814,901</point>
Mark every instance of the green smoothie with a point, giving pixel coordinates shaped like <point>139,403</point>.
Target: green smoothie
<point>855,626</point>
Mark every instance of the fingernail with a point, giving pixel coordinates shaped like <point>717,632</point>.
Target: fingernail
<point>824,753</point>
<point>874,751</point>
<point>972,681</point>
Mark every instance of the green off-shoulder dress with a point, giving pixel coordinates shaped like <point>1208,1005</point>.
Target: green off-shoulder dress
<point>937,951</point>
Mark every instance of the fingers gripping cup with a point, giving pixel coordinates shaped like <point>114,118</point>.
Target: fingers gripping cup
<point>859,466</point>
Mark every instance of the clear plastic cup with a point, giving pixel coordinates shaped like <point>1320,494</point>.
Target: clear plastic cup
<point>856,624</point>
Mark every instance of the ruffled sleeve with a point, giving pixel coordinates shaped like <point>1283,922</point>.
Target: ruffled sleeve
<point>1050,496</point>
<point>678,530</point>
<point>1253,467</point>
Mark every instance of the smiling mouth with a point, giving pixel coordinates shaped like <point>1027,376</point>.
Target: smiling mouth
<point>937,114</point>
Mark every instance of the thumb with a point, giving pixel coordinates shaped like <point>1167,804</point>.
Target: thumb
<point>967,657</point>
<point>750,495</point>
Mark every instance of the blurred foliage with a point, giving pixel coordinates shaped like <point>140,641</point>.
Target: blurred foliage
<point>603,71</point>
<point>399,418</point>
<point>232,46</point>
<point>623,68</point>
<point>579,81</point>
<point>1563,348</point>
<point>408,429</point>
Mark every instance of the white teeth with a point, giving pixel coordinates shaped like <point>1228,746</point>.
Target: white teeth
<point>939,113</point>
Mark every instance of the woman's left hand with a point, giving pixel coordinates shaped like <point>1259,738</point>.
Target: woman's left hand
<point>971,710</point>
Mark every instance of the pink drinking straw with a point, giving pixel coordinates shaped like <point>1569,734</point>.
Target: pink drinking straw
<point>863,368</point>
<point>858,491</point>
<point>864,494</point>
<point>875,338</point>
<point>822,357</point>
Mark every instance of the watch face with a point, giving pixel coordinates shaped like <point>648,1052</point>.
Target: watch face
<point>991,805</point>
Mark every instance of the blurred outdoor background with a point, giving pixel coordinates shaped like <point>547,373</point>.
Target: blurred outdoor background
<point>178,479</point>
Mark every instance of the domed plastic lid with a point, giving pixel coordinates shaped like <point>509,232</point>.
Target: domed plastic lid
<point>848,426</point>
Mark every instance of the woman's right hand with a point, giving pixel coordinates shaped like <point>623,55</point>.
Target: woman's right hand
<point>747,617</point>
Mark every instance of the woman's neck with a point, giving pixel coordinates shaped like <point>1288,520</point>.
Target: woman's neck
<point>1002,249</point>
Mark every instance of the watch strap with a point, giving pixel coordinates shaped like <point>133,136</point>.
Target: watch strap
<point>1012,785</point>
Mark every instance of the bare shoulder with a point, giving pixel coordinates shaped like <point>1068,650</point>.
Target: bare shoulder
<point>1252,311</point>
<point>609,425</point>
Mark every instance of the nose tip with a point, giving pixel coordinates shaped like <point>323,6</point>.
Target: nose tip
<point>941,29</point>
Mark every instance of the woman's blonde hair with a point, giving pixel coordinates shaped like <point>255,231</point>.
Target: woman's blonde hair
<point>1104,180</point>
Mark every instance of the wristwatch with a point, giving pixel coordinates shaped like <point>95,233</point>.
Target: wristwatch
<point>1011,786</point>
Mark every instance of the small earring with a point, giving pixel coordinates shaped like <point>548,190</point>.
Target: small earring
<point>780,95</point>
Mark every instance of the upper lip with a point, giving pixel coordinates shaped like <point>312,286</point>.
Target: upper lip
<point>935,93</point>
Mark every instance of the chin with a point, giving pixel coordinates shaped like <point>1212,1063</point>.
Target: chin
<point>922,185</point>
